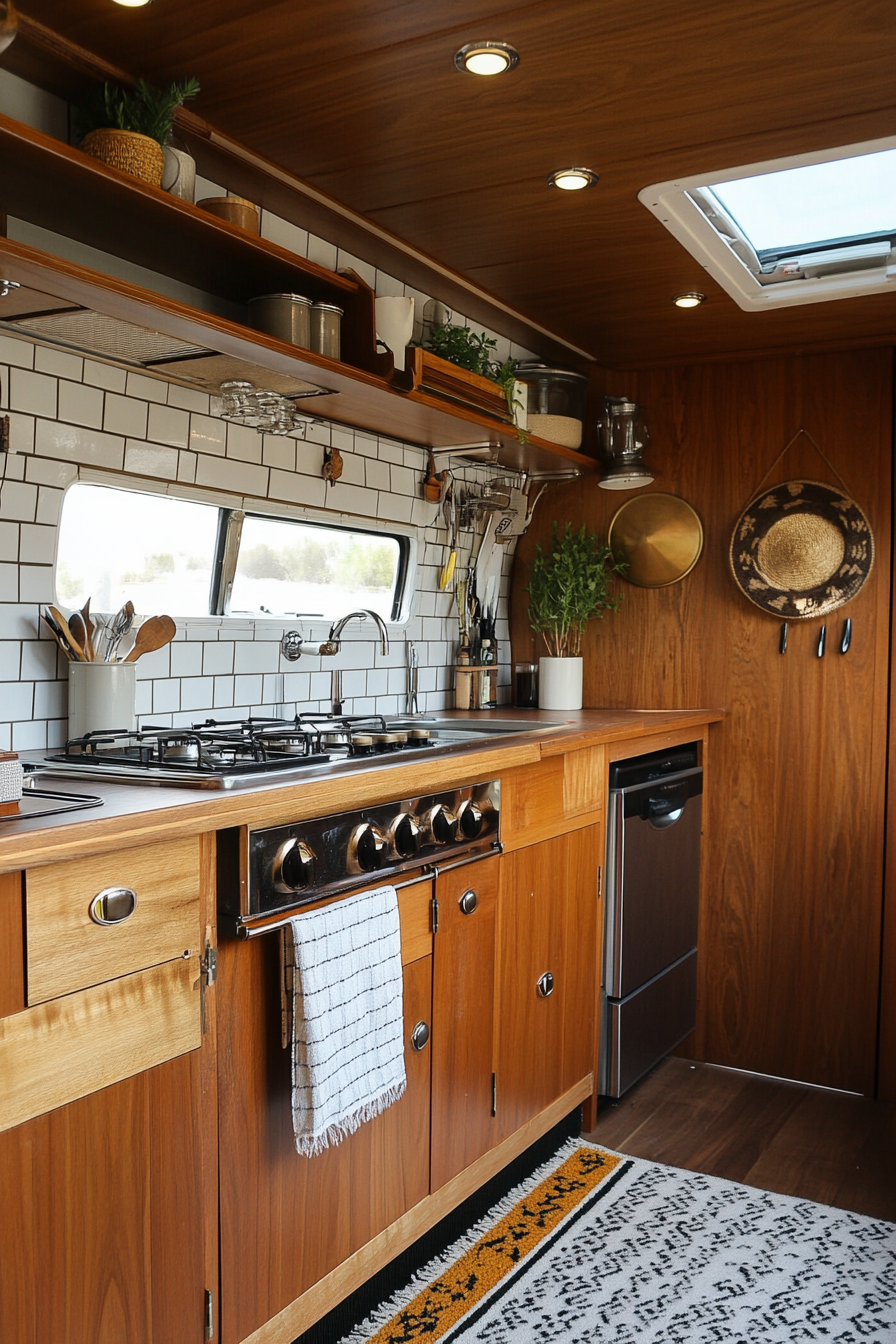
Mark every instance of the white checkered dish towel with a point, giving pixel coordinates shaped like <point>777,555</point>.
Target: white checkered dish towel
<point>343,1015</point>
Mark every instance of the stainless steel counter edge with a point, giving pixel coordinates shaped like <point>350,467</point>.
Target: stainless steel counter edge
<point>141,814</point>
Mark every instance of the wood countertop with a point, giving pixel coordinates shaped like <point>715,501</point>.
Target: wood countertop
<point>137,814</point>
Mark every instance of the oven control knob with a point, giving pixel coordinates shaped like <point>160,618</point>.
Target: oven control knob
<point>293,867</point>
<point>470,819</point>
<point>404,834</point>
<point>367,848</point>
<point>441,824</point>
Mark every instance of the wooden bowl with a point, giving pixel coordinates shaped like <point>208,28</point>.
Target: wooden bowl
<point>235,210</point>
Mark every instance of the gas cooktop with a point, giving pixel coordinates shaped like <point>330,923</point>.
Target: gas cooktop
<point>220,754</point>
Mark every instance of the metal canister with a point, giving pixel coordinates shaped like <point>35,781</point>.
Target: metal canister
<point>326,330</point>
<point>286,316</point>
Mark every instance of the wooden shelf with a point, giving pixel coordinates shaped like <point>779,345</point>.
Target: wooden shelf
<point>58,188</point>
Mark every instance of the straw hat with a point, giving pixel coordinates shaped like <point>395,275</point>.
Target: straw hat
<point>801,549</point>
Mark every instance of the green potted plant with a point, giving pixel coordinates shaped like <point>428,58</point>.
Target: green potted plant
<point>129,128</point>
<point>474,352</point>
<point>567,588</point>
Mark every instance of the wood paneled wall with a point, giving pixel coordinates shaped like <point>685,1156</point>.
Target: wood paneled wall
<point>791,920</point>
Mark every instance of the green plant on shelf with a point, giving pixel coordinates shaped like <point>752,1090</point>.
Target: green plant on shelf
<point>469,350</point>
<point>143,109</point>
<point>569,587</point>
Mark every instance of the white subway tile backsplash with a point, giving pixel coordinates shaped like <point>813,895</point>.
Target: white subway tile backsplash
<point>49,502</point>
<point>124,415</point>
<point>81,404</point>
<point>197,693</point>
<point>217,658</point>
<point>9,542</point>
<point>19,501</point>
<point>242,477</point>
<point>30,736</point>
<point>147,389</point>
<point>78,444</point>
<point>15,351</point>
<point>33,393</point>
<point>322,252</point>
<point>170,425</point>
<point>37,544</point>
<point>247,690</point>
<point>59,363</point>
<point>104,375</point>
<point>11,661</point>
<point>36,583</point>
<point>284,234</point>
<point>72,418</point>
<point>17,700</point>
<point>165,696</point>
<point>148,459</point>
<point>186,659</point>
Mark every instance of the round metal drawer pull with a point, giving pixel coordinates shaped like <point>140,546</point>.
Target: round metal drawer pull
<point>545,985</point>
<point>419,1036</point>
<point>113,905</point>
<point>468,902</point>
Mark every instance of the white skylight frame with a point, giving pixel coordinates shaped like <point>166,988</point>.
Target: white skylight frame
<point>675,207</point>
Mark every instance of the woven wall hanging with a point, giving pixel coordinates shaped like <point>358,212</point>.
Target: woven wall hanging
<point>801,549</point>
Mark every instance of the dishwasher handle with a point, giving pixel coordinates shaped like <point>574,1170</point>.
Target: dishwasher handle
<point>663,805</point>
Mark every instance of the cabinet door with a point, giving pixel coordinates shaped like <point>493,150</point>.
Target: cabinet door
<point>547,928</point>
<point>463,1013</point>
<point>292,1219</point>
<point>101,1239</point>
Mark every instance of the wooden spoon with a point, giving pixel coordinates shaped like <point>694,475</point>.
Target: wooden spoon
<point>63,626</point>
<point>89,627</point>
<point>153,634</point>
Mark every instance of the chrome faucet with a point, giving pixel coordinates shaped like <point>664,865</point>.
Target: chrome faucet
<point>332,645</point>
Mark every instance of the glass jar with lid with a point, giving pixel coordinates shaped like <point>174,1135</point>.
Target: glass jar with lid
<point>556,403</point>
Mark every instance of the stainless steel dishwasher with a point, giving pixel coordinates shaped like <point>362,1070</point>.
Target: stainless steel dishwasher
<point>649,991</point>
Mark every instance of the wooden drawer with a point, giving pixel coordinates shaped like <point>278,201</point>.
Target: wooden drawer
<point>555,795</point>
<point>67,950</point>
<point>54,1053</point>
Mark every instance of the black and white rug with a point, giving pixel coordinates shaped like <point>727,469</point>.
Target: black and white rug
<point>600,1247</point>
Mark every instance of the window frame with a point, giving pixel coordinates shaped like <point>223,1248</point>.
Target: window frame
<point>231,513</point>
<point>683,207</point>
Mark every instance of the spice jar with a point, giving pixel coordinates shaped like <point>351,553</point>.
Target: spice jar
<point>326,330</point>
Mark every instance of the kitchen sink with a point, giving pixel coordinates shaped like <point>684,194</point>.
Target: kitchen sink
<point>472,730</point>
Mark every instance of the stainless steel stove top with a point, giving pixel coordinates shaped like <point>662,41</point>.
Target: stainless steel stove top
<point>223,754</point>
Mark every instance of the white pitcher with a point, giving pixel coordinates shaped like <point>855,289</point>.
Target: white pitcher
<point>395,324</point>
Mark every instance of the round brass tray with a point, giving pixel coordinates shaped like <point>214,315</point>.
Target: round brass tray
<point>659,537</point>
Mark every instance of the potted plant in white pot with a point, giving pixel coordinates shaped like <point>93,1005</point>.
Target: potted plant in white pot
<point>568,588</point>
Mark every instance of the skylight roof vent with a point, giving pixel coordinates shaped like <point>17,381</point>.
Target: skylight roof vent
<point>805,229</point>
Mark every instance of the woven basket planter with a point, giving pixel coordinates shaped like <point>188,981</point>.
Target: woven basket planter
<point>129,152</point>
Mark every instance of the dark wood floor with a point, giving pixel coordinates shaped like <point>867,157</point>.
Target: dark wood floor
<point>804,1141</point>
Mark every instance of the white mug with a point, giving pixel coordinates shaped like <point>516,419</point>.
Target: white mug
<point>395,324</point>
<point>179,173</point>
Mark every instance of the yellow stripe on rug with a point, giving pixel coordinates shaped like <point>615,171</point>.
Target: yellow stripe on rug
<point>442,1303</point>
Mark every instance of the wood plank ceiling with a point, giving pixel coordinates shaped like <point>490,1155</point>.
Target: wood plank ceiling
<point>361,98</point>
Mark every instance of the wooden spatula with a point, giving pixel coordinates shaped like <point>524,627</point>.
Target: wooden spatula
<point>153,634</point>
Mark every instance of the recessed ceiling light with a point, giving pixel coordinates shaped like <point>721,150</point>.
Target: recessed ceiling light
<point>573,179</point>
<point>487,58</point>
<point>132,4</point>
<point>692,299</point>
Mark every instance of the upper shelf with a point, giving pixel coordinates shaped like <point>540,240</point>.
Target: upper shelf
<point>60,189</point>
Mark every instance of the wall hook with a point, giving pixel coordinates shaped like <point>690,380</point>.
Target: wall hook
<point>782,642</point>
<point>822,637</point>
<point>847,635</point>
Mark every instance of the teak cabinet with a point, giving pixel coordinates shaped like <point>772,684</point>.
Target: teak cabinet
<point>147,1156</point>
<point>103,1149</point>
